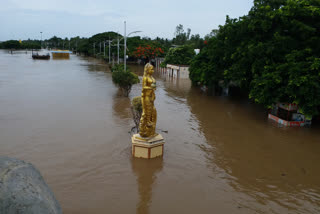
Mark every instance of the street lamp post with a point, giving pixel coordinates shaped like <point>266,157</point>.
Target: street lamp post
<point>125,47</point>
<point>109,51</point>
<point>118,50</point>
<point>125,44</point>
<point>41,41</point>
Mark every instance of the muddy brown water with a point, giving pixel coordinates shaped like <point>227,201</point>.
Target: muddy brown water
<point>221,154</point>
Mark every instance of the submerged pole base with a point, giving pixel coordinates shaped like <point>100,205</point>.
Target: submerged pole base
<point>147,147</point>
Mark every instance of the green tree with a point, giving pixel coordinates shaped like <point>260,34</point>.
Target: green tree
<point>273,53</point>
<point>207,68</point>
<point>181,55</point>
<point>196,41</point>
<point>181,37</point>
<point>97,39</point>
<point>31,44</point>
<point>84,46</point>
<point>11,44</point>
<point>288,70</point>
<point>54,42</point>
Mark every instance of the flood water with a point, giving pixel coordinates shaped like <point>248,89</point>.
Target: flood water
<point>221,154</point>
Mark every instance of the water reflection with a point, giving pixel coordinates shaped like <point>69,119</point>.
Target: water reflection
<point>146,172</point>
<point>61,58</point>
<point>121,106</point>
<point>95,65</point>
<point>179,88</point>
<point>137,69</point>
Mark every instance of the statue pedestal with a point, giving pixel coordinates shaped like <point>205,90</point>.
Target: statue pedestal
<point>147,147</point>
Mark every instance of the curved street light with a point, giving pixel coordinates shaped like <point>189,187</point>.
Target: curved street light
<point>125,44</point>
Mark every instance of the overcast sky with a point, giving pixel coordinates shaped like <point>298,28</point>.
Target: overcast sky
<point>23,19</point>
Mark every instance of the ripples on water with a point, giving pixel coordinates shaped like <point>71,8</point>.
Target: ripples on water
<point>221,154</point>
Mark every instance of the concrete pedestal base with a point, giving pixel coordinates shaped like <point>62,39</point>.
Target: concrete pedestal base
<point>147,147</point>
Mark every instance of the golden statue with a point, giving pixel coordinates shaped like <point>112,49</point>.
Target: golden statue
<point>148,144</point>
<point>149,113</point>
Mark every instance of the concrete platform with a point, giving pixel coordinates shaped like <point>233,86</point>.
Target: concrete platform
<point>147,147</point>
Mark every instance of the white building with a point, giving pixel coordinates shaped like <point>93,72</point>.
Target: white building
<point>178,71</point>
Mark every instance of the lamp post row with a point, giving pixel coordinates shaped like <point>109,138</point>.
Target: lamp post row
<point>118,46</point>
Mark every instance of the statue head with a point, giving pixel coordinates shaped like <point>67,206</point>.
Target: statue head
<point>148,69</point>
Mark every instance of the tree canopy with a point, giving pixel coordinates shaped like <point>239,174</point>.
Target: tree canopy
<point>181,55</point>
<point>15,44</point>
<point>273,53</point>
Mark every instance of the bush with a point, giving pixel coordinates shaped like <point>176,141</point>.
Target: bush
<point>118,67</point>
<point>124,79</point>
<point>136,108</point>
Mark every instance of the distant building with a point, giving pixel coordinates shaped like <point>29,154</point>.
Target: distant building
<point>171,70</point>
<point>178,71</point>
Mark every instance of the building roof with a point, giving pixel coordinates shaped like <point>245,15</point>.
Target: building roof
<point>60,51</point>
<point>174,66</point>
